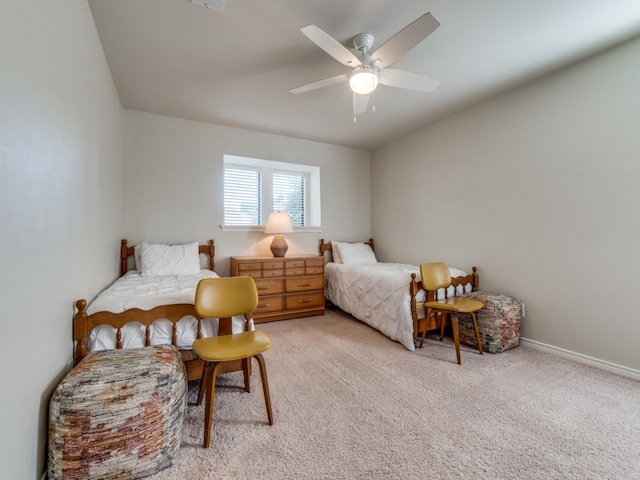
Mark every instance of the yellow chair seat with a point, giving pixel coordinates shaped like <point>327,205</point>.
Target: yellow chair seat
<point>225,348</point>
<point>456,304</point>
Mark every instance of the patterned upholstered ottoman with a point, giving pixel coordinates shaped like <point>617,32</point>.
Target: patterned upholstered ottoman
<point>118,414</point>
<point>499,322</point>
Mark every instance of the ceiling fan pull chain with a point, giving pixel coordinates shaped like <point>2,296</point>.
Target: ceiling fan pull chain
<point>353,104</point>
<point>373,101</point>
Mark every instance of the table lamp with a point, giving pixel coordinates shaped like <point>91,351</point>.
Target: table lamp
<point>279,223</point>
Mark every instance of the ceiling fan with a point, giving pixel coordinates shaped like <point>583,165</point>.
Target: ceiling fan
<point>370,69</point>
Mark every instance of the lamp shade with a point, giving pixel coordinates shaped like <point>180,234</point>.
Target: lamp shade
<point>279,222</point>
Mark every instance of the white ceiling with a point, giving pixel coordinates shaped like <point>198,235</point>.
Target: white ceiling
<point>235,68</point>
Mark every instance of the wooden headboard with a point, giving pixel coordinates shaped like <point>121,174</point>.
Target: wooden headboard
<point>326,247</point>
<point>126,252</point>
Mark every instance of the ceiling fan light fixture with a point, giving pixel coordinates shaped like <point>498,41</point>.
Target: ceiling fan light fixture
<point>363,80</point>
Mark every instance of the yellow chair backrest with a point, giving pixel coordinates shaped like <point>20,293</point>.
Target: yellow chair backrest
<point>434,276</point>
<point>226,297</point>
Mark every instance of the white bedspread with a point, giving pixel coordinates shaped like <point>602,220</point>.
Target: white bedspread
<point>132,290</point>
<point>378,294</point>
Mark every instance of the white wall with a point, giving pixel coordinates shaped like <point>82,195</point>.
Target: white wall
<point>540,189</point>
<point>60,206</point>
<point>174,185</point>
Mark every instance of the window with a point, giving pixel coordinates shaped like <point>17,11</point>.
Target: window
<point>242,194</point>
<point>254,188</point>
<point>288,195</point>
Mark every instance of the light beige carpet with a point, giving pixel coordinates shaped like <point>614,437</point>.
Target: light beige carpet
<point>351,404</point>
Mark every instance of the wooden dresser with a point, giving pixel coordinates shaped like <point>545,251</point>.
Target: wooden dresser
<point>288,287</point>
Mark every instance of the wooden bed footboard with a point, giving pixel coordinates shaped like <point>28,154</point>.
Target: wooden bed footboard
<point>420,321</point>
<point>83,323</point>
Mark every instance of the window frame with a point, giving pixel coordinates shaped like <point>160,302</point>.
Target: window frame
<point>312,200</point>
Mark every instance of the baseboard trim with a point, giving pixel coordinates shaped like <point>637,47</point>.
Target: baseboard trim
<point>578,357</point>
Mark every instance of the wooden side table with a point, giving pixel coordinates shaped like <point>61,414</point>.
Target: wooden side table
<point>288,287</point>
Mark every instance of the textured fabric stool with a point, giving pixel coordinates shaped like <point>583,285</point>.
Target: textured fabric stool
<point>499,322</point>
<point>118,414</point>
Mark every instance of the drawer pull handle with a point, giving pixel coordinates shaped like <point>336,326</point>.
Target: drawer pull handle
<point>304,284</point>
<point>264,288</point>
<point>304,301</point>
<point>264,306</point>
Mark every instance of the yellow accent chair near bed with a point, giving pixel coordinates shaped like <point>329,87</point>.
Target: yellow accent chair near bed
<point>224,298</point>
<point>435,276</point>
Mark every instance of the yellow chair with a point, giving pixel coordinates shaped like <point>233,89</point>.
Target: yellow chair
<point>224,298</point>
<point>436,276</point>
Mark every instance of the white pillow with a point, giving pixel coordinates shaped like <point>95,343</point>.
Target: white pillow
<point>137,256</point>
<point>163,260</point>
<point>356,253</point>
<point>335,252</point>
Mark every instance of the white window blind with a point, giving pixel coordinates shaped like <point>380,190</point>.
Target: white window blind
<point>289,195</point>
<point>242,196</point>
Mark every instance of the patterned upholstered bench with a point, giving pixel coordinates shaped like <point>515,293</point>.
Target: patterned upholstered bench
<point>499,322</point>
<point>118,414</point>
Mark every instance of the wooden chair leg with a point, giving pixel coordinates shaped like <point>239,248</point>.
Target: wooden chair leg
<point>475,327</point>
<point>424,330</point>
<point>203,380</point>
<point>424,334</point>
<point>265,386</point>
<point>212,373</point>
<point>456,334</point>
<point>443,323</point>
<point>247,374</point>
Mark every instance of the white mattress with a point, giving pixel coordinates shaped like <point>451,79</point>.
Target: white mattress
<point>132,290</point>
<point>378,294</point>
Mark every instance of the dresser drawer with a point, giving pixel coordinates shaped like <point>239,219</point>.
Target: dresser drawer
<point>315,263</point>
<point>304,300</point>
<point>255,274</point>
<point>294,272</point>
<point>270,286</point>
<point>314,270</point>
<point>273,273</point>
<point>295,264</point>
<point>248,266</point>
<point>304,284</point>
<point>269,303</point>
<point>276,265</point>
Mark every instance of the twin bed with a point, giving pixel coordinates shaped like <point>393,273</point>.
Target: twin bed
<point>151,303</point>
<point>384,295</point>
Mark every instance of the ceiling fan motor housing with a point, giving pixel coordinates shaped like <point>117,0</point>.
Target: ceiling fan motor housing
<point>363,42</point>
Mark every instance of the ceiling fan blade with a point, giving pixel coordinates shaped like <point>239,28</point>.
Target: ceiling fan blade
<point>408,80</point>
<point>320,83</point>
<point>404,40</point>
<point>360,103</point>
<point>331,46</point>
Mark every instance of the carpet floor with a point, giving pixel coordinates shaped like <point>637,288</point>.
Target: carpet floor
<point>349,403</point>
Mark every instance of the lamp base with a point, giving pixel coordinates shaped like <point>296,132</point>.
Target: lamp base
<point>279,246</point>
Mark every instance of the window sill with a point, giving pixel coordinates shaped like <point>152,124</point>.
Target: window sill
<point>260,229</point>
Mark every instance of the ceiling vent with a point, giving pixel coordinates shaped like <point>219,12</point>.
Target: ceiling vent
<point>217,5</point>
